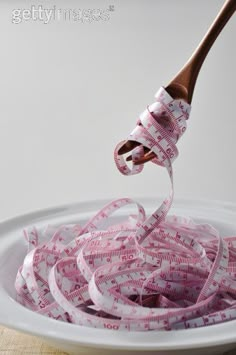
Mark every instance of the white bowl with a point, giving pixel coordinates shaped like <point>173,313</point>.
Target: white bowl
<point>76,339</point>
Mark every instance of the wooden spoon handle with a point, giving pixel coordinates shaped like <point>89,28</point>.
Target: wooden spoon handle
<point>182,86</point>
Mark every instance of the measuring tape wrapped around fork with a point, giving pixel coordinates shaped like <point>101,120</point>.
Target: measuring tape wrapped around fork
<point>147,273</point>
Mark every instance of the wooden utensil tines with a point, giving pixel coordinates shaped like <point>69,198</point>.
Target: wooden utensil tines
<point>182,85</point>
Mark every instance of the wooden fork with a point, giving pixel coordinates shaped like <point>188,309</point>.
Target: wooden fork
<point>182,85</point>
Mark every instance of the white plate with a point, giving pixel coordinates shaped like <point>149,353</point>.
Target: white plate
<point>76,339</point>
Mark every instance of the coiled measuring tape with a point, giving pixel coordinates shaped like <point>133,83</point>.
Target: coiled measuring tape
<point>147,273</point>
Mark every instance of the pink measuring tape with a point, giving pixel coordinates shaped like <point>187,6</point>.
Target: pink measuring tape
<point>156,273</point>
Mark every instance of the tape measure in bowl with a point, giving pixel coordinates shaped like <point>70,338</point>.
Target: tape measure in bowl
<point>156,273</point>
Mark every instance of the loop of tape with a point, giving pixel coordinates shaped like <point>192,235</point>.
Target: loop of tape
<point>146,273</point>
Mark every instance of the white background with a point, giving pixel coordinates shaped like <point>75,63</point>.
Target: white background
<point>69,92</point>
